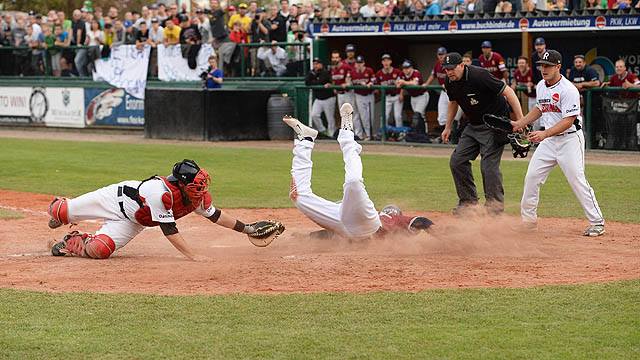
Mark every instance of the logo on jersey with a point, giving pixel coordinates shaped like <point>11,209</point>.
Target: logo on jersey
<point>555,97</point>
<point>473,101</point>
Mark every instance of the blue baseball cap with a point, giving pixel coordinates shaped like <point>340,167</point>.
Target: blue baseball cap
<point>539,41</point>
<point>442,50</point>
<point>486,44</point>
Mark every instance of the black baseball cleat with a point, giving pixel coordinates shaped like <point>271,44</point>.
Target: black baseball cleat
<point>56,249</point>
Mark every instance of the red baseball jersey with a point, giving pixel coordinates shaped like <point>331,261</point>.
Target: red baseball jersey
<point>415,75</point>
<point>389,79</point>
<point>363,78</point>
<point>524,79</point>
<point>439,73</point>
<point>616,80</point>
<point>495,64</point>
<point>339,73</point>
<point>351,64</point>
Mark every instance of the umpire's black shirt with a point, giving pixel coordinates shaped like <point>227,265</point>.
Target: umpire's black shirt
<point>478,93</point>
<point>319,78</point>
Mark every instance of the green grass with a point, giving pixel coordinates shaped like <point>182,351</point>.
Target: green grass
<point>9,215</point>
<point>561,322</point>
<point>260,178</point>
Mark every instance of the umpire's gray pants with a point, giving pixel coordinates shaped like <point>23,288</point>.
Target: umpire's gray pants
<point>479,139</point>
<point>328,107</point>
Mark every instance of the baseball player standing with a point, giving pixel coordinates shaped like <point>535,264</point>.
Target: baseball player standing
<point>561,143</point>
<point>388,76</point>
<point>523,76</point>
<point>129,206</point>
<point>363,75</point>
<point>477,92</point>
<point>494,62</point>
<point>439,74</point>
<point>339,72</point>
<point>325,100</point>
<point>355,216</point>
<point>419,97</point>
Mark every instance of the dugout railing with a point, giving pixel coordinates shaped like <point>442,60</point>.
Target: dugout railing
<point>592,110</point>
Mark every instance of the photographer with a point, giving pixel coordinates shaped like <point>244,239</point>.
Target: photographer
<point>296,54</point>
<point>259,33</point>
<point>212,78</point>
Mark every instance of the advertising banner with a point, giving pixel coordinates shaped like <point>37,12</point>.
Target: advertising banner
<point>113,107</point>
<point>65,107</point>
<point>125,68</point>
<point>173,67</point>
<point>54,106</point>
<point>15,105</point>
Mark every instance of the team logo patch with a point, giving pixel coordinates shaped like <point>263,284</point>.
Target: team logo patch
<point>555,97</point>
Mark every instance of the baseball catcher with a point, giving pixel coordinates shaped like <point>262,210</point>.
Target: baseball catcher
<point>355,216</point>
<point>129,206</point>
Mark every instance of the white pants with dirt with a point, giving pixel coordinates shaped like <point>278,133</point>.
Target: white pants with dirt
<point>567,151</point>
<point>355,216</point>
<point>102,204</point>
<point>364,104</point>
<point>328,107</point>
<point>393,104</point>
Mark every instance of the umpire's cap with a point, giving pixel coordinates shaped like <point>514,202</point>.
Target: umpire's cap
<point>550,57</point>
<point>451,60</point>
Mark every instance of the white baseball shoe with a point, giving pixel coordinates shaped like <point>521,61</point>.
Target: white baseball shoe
<point>346,113</point>
<point>594,230</point>
<point>303,132</point>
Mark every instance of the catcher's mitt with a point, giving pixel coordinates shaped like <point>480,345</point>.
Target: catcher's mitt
<point>264,232</point>
<point>499,123</point>
<point>520,143</point>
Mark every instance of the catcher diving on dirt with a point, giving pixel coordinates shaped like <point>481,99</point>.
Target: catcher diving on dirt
<point>129,206</point>
<point>355,217</point>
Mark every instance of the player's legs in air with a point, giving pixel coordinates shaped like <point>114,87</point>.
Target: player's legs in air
<point>355,216</point>
<point>101,204</point>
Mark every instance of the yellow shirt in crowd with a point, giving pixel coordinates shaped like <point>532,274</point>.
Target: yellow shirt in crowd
<point>244,21</point>
<point>172,35</point>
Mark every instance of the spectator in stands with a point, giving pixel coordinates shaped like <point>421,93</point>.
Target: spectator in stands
<point>35,40</point>
<point>324,8</point>
<point>334,10</point>
<point>172,15</point>
<point>201,21</point>
<point>493,61</point>
<point>253,9</point>
<point>214,74</point>
<point>557,5</point>
<point>162,14</point>
<point>324,99</point>
<point>119,33</point>
<point>582,75</point>
<point>130,35</point>
<point>242,18</point>
<point>401,9</point>
<point>48,43</point>
<point>471,7</point>
<point>504,7</point>
<point>528,5</point>
<point>259,34</point>
<point>306,18</point>
<point>142,36</point>
<point>36,25</point>
<point>62,40</point>
<point>113,12</point>
<point>354,9</point>
<point>79,38</point>
<point>237,36</point>
<point>156,33</point>
<point>218,28</point>
<point>171,34</point>
<point>591,4</point>
<point>625,79</point>
<point>278,31</point>
<point>489,6</point>
<point>128,19</point>
<point>145,17</point>
<point>297,53</point>
<point>65,23</point>
<point>368,10</point>
<point>381,10</point>
<point>109,37</point>
<point>450,7</point>
<point>95,38</point>
<point>19,40</point>
<point>540,46</point>
<point>388,76</point>
<point>622,4</point>
<point>274,57</point>
<point>285,12</point>
<point>97,14</point>
<point>418,8</point>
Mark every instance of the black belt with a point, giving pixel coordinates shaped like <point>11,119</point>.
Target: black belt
<point>121,202</point>
<point>131,193</point>
<point>567,133</point>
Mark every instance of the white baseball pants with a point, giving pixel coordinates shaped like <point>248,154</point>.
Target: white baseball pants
<point>355,216</point>
<point>102,204</point>
<point>393,104</point>
<point>328,107</point>
<point>567,151</point>
<point>364,104</point>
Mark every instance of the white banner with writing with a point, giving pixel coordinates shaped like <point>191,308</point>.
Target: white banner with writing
<point>173,67</point>
<point>125,68</point>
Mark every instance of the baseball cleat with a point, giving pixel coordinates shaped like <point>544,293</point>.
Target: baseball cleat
<point>53,223</point>
<point>525,226</point>
<point>346,113</point>
<point>594,230</point>
<point>58,248</point>
<point>303,132</point>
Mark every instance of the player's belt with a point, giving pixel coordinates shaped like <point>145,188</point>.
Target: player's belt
<point>567,133</point>
<point>131,193</point>
<point>121,202</point>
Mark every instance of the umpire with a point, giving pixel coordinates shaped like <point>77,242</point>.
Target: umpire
<point>325,100</point>
<point>477,92</point>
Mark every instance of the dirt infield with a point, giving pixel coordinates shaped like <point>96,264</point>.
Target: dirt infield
<point>480,252</point>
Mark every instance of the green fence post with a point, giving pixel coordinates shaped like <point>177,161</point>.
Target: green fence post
<point>587,117</point>
<point>383,115</point>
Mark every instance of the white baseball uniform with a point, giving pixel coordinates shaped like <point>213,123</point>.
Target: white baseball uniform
<point>556,102</point>
<point>104,204</point>
<point>355,216</point>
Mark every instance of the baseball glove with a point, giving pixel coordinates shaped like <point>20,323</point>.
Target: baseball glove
<point>498,123</point>
<point>264,232</point>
